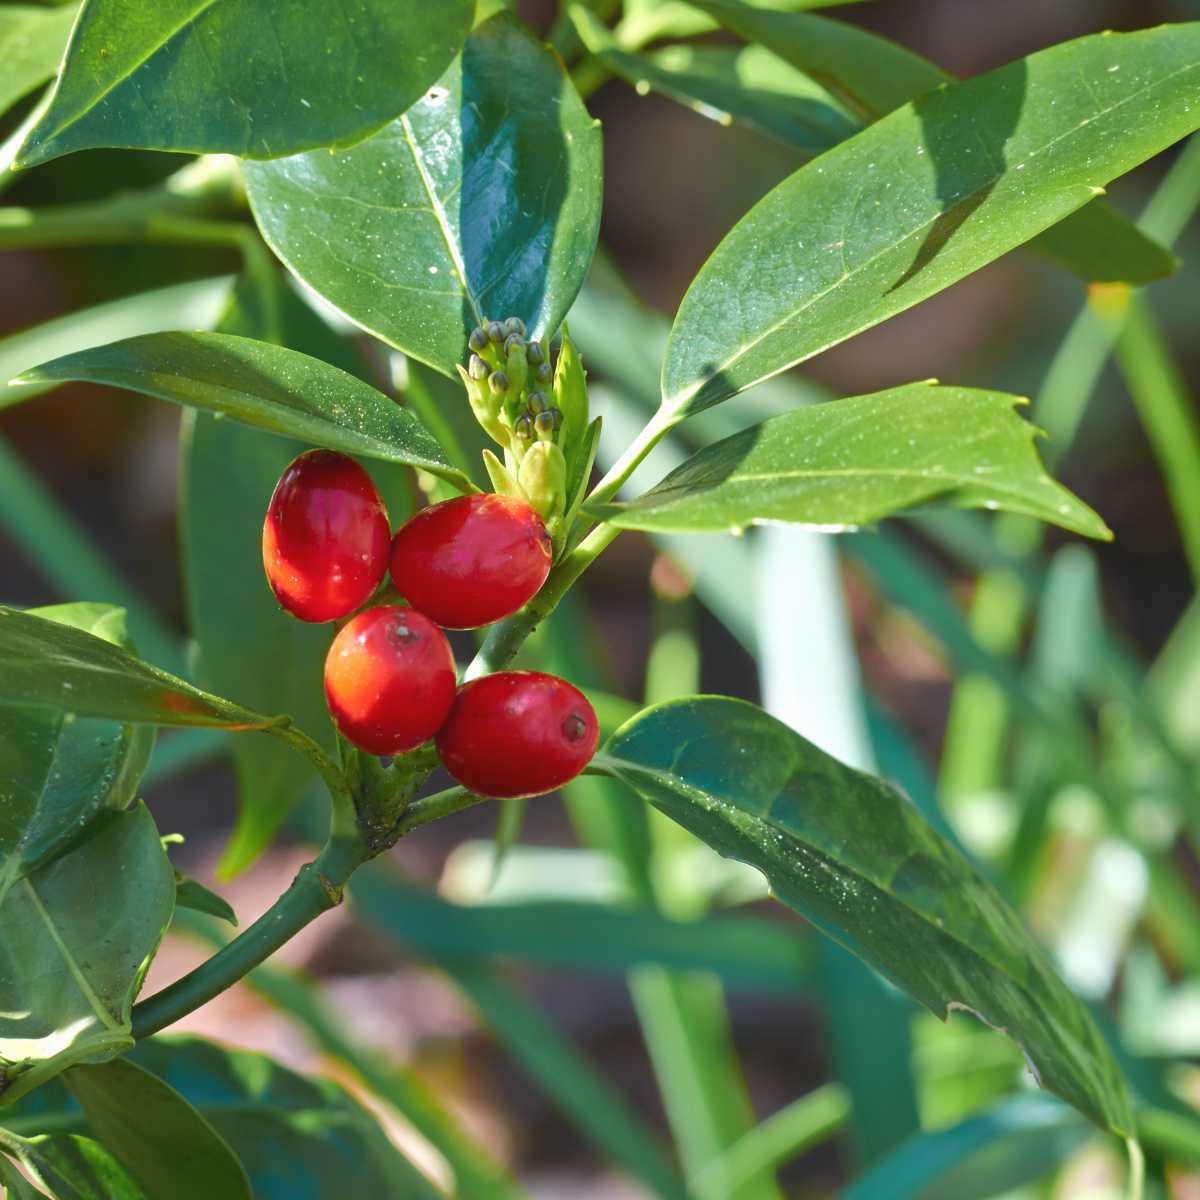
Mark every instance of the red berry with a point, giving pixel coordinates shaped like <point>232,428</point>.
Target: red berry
<point>389,679</point>
<point>518,733</point>
<point>325,539</point>
<point>472,560</point>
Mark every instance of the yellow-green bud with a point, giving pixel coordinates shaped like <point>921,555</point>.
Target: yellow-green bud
<point>543,479</point>
<point>485,406</point>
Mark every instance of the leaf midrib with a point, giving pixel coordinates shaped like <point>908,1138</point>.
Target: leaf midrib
<point>680,400</point>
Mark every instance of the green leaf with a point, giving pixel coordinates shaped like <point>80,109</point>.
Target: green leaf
<point>32,41</point>
<point>197,304</point>
<point>922,198</point>
<point>164,1143</point>
<point>873,76</point>
<point>51,665</point>
<point>240,77</point>
<point>71,1167</point>
<point>857,859</point>
<point>649,20</point>
<point>456,211</point>
<point>267,386</point>
<point>191,894</point>
<point>995,1153</point>
<point>853,462</point>
<point>298,1137</point>
<point>76,939</point>
<point>63,772</point>
<point>750,85</point>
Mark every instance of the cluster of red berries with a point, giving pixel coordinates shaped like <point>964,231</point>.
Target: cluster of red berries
<point>390,678</point>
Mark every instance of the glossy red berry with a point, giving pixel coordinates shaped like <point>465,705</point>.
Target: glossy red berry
<point>325,539</point>
<point>472,560</point>
<point>389,679</point>
<point>518,733</point>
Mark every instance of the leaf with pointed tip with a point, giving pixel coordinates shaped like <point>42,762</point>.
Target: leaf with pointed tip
<point>853,462</point>
<point>48,665</point>
<point>32,40</point>
<point>456,211</point>
<point>160,1139</point>
<point>922,198</point>
<point>855,856</point>
<point>194,895</point>
<point>76,939</point>
<point>261,384</point>
<point>63,771</point>
<point>241,77</point>
<point>873,76</point>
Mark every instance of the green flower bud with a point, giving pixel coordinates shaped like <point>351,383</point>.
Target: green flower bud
<point>478,369</point>
<point>543,479</point>
<point>523,427</point>
<point>570,393</point>
<point>543,374</point>
<point>515,325</point>
<point>516,364</point>
<point>498,383</point>
<point>495,332</point>
<point>514,343</point>
<point>535,354</point>
<point>538,402</point>
<point>478,340</point>
<point>543,423</point>
<point>485,407</point>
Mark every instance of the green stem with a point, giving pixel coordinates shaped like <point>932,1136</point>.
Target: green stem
<point>652,433</point>
<point>440,804</point>
<point>315,890</point>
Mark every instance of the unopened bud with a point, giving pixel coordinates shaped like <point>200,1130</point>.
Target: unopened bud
<point>478,340</point>
<point>543,374</point>
<point>484,406</point>
<point>514,342</point>
<point>515,325</point>
<point>535,354</point>
<point>538,402</point>
<point>478,369</point>
<point>543,423</point>
<point>523,427</point>
<point>543,479</point>
<point>495,332</point>
<point>498,382</point>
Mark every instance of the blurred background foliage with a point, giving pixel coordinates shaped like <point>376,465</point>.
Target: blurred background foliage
<point>575,1000</point>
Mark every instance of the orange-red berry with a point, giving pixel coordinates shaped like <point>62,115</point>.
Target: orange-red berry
<point>389,679</point>
<point>518,733</point>
<point>325,537</point>
<point>472,560</point>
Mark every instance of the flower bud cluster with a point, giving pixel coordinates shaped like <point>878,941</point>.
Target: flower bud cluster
<point>537,413</point>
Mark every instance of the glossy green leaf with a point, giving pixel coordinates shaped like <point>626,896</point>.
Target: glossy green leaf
<point>267,386</point>
<point>298,1137</point>
<point>71,1167</point>
<point>32,41</point>
<point>853,462</point>
<point>1011,1145</point>
<point>14,1185</point>
<point>290,76</point>
<point>858,860</point>
<point>194,895</point>
<point>749,85</point>
<point>649,20</point>
<point>873,76</point>
<point>51,665</point>
<point>456,211</point>
<point>922,198</point>
<point>164,1143</point>
<point>76,939</point>
<point>62,771</point>
<point>197,304</point>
